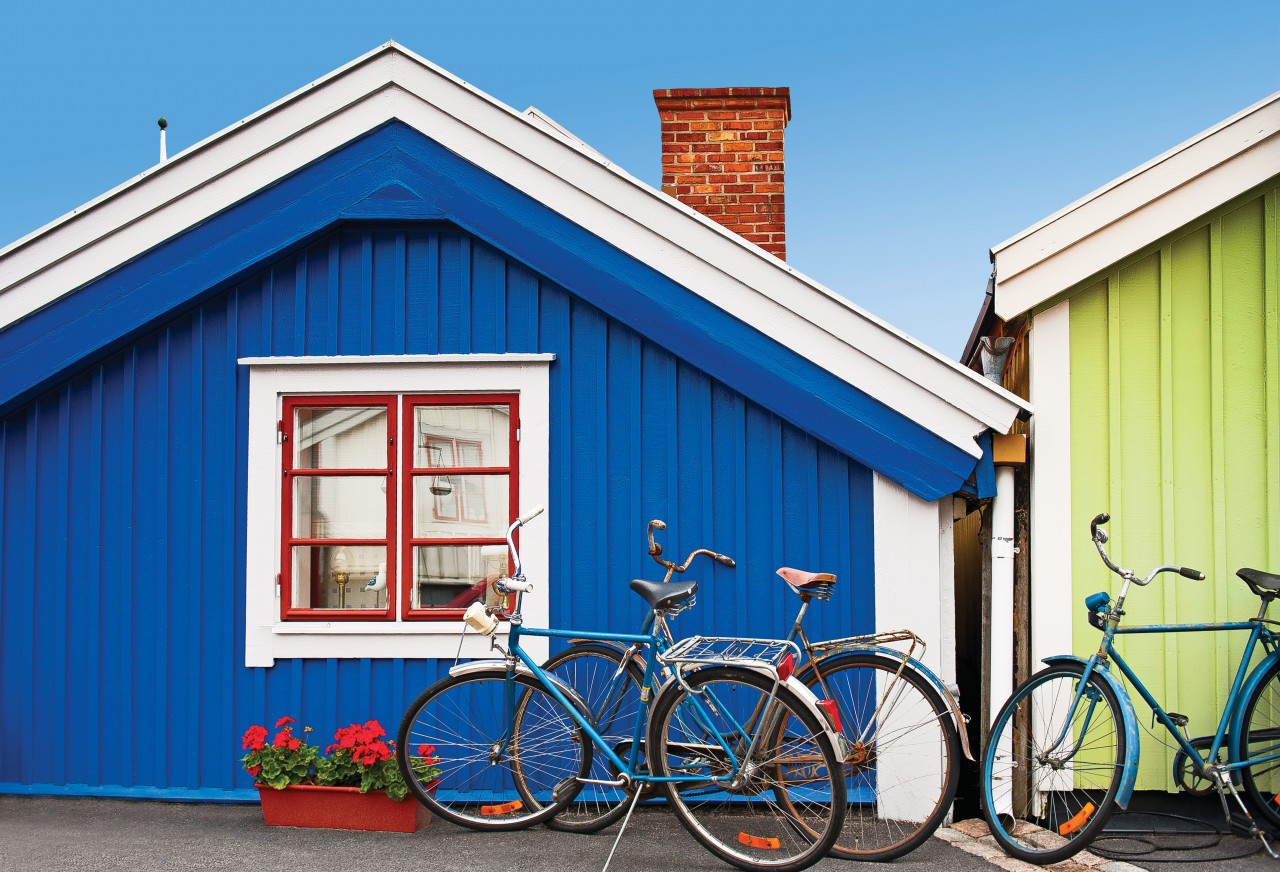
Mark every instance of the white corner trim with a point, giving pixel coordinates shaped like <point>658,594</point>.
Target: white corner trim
<point>266,637</point>
<point>1139,208</point>
<point>1052,606</point>
<point>392,83</point>
<point>909,585</point>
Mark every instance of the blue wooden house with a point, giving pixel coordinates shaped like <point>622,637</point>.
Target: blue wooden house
<point>266,410</point>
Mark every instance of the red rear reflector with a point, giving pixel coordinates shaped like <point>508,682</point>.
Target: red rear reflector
<point>833,713</point>
<point>504,808</point>
<point>1077,821</point>
<point>786,667</point>
<point>765,843</point>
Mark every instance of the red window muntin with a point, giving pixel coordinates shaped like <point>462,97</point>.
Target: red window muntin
<point>412,472</point>
<point>384,474</point>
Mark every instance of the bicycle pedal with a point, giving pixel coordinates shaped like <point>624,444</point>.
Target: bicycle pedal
<point>1241,826</point>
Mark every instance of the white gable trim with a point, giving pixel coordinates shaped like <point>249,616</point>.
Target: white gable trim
<point>391,83</point>
<point>1138,208</point>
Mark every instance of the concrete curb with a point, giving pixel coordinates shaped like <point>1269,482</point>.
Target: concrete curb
<point>973,837</point>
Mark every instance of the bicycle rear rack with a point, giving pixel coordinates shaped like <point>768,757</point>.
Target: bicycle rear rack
<point>729,651</point>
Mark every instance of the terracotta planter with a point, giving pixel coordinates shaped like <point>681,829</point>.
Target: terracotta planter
<point>340,808</point>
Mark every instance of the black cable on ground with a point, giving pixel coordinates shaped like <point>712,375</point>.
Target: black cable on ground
<point>1144,837</point>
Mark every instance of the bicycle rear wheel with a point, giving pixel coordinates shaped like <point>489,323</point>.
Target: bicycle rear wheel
<point>902,753</point>
<point>496,771</point>
<point>740,728</point>
<point>1052,765</point>
<point>608,681</point>
<point>1262,740</point>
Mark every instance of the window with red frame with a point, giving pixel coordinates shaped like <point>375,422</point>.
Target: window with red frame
<point>372,533</point>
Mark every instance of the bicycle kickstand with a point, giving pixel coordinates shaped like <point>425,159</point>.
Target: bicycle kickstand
<point>626,820</point>
<point>1225,785</point>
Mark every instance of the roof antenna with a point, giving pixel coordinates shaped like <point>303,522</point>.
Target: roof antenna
<point>162,124</point>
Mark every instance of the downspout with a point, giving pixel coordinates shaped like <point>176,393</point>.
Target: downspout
<point>1000,624</point>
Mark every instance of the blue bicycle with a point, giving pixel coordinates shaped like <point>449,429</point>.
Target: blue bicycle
<point>1063,752</point>
<point>509,745</point>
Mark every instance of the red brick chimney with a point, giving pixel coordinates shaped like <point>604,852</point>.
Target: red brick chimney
<point>722,155</point>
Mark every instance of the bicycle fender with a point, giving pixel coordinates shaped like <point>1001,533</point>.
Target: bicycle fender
<point>926,673</point>
<point>1235,749</point>
<point>499,667</point>
<point>1132,740</point>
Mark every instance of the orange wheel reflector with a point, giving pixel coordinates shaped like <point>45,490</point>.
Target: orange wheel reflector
<point>1077,821</point>
<point>504,808</point>
<point>763,842</point>
<point>1276,799</point>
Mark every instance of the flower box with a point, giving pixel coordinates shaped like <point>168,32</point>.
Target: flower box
<point>340,808</point>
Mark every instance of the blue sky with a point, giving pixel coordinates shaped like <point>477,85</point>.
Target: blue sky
<point>922,133</point>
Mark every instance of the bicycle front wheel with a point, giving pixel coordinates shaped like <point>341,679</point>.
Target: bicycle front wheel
<point>469,758</point>
<point>1052,765</point>
<point>901,750</point>
<point>729,737</point>
<point>1262,743</point>
<point>608,681</point>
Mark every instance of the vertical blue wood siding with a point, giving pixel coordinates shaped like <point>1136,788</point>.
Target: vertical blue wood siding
<point>123,509</point>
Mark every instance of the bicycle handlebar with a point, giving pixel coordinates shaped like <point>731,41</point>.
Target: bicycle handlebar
<point>655,551</point>
<point>1099,537</point>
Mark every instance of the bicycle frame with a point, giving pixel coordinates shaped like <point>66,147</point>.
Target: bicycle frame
<point>653,641</point>
<point>630,766</point>
<point>1258,633</point>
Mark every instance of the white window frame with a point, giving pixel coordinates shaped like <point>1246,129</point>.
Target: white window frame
<point>267,638</point>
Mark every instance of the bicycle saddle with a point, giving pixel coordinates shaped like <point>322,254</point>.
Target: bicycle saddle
<point>1264,584</point>
<point>817,584</point>
<point>664,595</point>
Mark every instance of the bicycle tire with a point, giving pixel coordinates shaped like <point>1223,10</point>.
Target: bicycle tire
<point>1068,807</point>
<point>749,822</point>
<point>1262,736</point>
<point>903,773</point>
<point>608,682</point>
<point>463,719</point>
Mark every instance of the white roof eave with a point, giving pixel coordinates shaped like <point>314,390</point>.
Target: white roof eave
<point>393,83</point>
<point>1138,208</point>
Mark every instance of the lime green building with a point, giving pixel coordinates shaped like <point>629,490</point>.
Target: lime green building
<point>1147,320</point>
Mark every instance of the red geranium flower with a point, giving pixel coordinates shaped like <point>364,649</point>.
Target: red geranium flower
<point>426,750</point>
<point>254,737</point>
<point>254,770</point>
<point>284,720</point>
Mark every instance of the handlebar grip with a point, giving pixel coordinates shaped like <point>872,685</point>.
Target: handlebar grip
<point>1188,572</point>
<point>725,560</point>
<point>531,514</point>
<point>1100,518</point>
<point>658,525</point>
<point>510,585</point>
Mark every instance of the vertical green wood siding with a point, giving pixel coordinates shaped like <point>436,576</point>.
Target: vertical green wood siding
<point>1175,430</point>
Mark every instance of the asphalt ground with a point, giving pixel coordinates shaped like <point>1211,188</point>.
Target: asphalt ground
<point>1170,832</point>
<point>51,834</point>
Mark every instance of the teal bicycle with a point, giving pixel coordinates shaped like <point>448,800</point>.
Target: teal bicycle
<point>1063,751</point>
<point>501,744</point>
